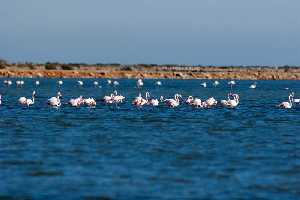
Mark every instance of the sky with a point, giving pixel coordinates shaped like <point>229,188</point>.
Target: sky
<point>207,32</point>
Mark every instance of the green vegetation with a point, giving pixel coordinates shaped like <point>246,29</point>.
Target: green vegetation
<point>3,63</point>
<point>133,67</point>
<point>51,66</point>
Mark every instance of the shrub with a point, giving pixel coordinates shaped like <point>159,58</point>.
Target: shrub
<point>67,67</point>
<point>50,66</point>
<point>3,63</point>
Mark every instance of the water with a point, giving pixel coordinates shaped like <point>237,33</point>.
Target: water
<point>150,153</point>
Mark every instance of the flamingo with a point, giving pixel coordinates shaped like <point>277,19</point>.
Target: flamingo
<point>91,102</point>
<point>55,101</point>
<point>231,82</point>
<point>287,104</point>
<point>76,102</point>
<point>80,83</point>
<point>151,101</point>
<point>7,82</point>
<point>189,100</point>
<point>139,100</point>
<point>113,98</point>
<point>18,83</point>
<point>158,83</point>
<point>108,81</point>
<point>115,83</point>
<point>139,83</point>
<point>108,99</point>
<point>253,85</point>
<point>216,83</point>
<point>197,103</point>
<point>211,102</point>
<point>27,101</point>
<point>204,84</point>
<point>96,83</point>
<point>173,102</point>
<point>232,101</point>
<point>37,82</point>
<point>118,98</point>
<point>60,82</point>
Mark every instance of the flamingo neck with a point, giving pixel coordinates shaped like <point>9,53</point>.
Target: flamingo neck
<point>291,100</point>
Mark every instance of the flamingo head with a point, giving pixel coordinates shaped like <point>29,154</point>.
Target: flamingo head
<point>147,95</point>
<point>161,98</point>
<point>292,94</point>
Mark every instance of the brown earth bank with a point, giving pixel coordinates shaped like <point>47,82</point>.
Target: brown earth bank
<point>52,70</point>
<point>222,74</point>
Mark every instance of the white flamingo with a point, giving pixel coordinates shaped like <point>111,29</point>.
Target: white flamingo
<point>287,104</point>
<point>216,83</point>
<point>109,99</point>
<point>7,82</point>
<point>253,85</point>
<point>37,82</point>
<point>189,100</point>
<point>80,83</point>
<point>151,101</point>
<point>231,82</point>
<point>91,102</point>
<point>96,83</point>
<point>139,83</point>
<point>27,101</point>
<point>55,101</point>
<point>18,83</point>
<point>76,102</point>
<point>116,83</point>
<point>211,102</point>
<point>118,98</point>
<point>158,83</point>
<point>197,103</point>
<point>139,100</point>
<point>60,82</point>
<point>232,101</point>
<point>173,102</point>
<point>204,84</point>
<point>113,98</point>
<point>108,81</point>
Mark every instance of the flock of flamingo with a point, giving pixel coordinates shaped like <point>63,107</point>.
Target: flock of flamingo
<point>232,100</point>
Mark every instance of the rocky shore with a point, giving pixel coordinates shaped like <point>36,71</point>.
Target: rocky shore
<point>155,72</point>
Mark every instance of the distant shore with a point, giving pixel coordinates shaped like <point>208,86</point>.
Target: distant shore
<point>52,70</point>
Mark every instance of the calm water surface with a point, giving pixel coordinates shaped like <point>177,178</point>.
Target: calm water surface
<point>150,153</point>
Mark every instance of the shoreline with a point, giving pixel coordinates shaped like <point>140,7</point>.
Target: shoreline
<point>159,72</point>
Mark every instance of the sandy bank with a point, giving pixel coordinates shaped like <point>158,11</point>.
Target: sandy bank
<point>205,73</point>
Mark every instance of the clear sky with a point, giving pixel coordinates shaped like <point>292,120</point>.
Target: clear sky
<point>217,32</point>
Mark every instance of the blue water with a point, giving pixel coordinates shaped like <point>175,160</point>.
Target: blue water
<point>252,152</point>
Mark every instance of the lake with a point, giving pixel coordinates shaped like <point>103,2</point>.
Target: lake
<point>124,152</point>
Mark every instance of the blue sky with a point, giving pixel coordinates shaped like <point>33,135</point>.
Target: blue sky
<point>217,32</point>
